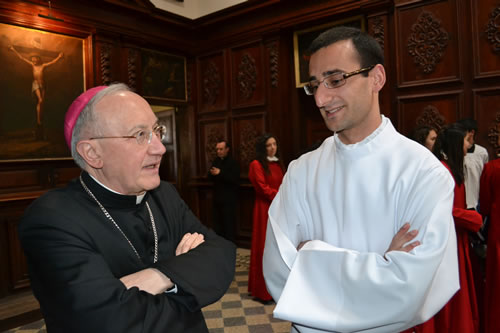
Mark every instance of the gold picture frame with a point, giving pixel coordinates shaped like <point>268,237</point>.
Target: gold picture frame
<point>303,38</point>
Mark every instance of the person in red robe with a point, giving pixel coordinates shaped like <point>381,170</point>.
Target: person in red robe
<point>265,174</point>
<point>489,203</point>
<point>461,313</point>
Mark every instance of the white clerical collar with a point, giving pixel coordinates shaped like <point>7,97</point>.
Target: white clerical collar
<point>138,199</point>
<point>272,159</point>
<point>366,140</point>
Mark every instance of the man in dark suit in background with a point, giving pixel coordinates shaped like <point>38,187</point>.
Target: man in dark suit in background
<point>225,173</point>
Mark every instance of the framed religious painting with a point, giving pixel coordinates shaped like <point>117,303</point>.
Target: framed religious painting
<point>163,76</point>
<point>303,38</point>
<point>42,73</point>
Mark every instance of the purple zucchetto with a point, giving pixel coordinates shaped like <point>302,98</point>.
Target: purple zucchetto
<point>75,109</point>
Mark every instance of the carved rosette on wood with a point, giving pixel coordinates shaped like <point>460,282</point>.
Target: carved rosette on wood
<point>273,63</point>
<point>493,133</point>
<point>432,117</point>
<point>247,76</point>
<point>427,42</point>
<point>132,68</point>
<point>211,83</point>
<point>493,29</point>
<point>213,136</point>
<point>377,30</point>
<point>105,62</point>
<point>248,137</point>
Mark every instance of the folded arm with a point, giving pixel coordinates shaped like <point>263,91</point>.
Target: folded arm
<point>338,289</point>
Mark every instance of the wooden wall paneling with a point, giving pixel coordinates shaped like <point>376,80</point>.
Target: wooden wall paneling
<point>210,131</point>
<point>107,61</point>
<point>169,164</point>
<point>244,225</point>
<point>204,200</point>
<point>487,115</point>
<point>428,50</point>
<point>279,116</point>
<point>14,262</point>
<point>61,175</point>
<point>130,66</point>
<point>378,27</point>
<point>311,124</point>
<point>212,82</point>
<point>486,38</point>
<point>247,75</point>
<point>246,128</point>
<point>436,109</point>
<point>20,179</point>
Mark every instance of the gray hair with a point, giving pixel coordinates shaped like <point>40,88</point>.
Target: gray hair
<point>88,120</point>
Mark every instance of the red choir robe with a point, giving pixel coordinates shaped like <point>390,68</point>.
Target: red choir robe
<point>489,199</point>
<point>266,187</point>
<point>461,313</point>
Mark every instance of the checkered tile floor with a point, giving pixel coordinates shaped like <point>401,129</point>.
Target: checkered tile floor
<point>235,312</point>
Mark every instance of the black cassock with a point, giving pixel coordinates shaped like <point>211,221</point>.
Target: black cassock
<point>76,257</point>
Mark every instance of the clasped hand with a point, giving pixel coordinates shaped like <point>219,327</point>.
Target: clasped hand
<point>152,280</point>
<point>402,241</point>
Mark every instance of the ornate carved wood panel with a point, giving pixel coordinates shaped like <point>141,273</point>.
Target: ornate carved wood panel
<point>434,109</point>
<point>247,75</point>
<point>378,28</point>
<point>486,37</point>
<point>274,57</point>
<point>132,72</point>
<point>246,129</point>
<point>212,84</point>
<point>104,63</point>
<point>428,48</point>
<point>210,132</point>
<point>487,107</point>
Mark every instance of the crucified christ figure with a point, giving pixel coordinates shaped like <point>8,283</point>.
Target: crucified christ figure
<point>37,87</point>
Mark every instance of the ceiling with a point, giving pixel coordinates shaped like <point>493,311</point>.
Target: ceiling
<point>194,9</point>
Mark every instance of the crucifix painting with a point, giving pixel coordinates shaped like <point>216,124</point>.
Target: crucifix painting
<point>42,73</point>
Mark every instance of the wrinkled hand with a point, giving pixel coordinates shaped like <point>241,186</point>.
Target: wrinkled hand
<point>400,242</point>
<point>149,280</point>
<point>189,242</point>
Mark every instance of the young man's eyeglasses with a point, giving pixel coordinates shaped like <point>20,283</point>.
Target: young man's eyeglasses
<point>334,80</point>
<point>143,136</point>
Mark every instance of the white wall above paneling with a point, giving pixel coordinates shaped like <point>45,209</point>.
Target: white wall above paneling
<point>194,9</point>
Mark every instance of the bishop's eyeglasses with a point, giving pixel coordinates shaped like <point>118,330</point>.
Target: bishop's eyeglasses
<point>142,136</point>
<point>334,80</point>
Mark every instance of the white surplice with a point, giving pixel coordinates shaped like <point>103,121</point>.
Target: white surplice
<point>350,201</point>
<point>474,164</point>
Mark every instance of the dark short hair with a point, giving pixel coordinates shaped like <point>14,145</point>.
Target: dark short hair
<point>225,141</point>
<point>369,51</point>
<point>261,151</point>
<point>469,124</point>
<point>421,132</point>
<point>449,147</point>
